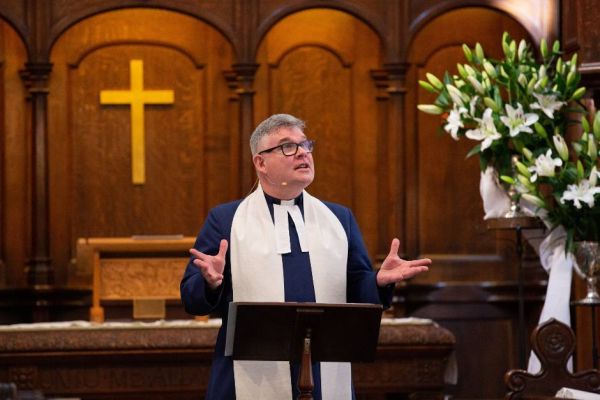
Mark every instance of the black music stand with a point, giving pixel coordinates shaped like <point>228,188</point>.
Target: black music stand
<point>303,332</point>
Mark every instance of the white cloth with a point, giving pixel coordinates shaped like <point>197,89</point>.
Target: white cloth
<point>496,202</point>
<point>255,261</point>
<point>558,293</point>
<point>551,251</point>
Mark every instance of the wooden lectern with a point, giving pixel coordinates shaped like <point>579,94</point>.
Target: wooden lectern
<point>303,332</point>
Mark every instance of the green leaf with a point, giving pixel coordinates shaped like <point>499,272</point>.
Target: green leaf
<point>474,150</point>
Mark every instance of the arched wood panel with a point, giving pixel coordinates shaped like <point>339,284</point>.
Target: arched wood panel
<point>14,160</point>
<point>315,64</point>
<point>447,211</point>
<point>187,143</point>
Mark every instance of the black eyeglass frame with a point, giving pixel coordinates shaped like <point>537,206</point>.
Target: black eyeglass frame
<point>310,143</point>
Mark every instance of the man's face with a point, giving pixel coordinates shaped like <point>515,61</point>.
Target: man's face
<point>280,175</point>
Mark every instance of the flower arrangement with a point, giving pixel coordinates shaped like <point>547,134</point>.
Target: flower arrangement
<point>517,108</point>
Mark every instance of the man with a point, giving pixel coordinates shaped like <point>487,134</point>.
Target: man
<point>281,244</point>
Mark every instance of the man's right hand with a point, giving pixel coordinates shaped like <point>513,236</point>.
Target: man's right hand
<point>211,267</point>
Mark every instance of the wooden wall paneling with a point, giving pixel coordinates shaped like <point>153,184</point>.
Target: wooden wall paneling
<point>187,143</point>
<point>14,160</point>
<point>449,226</point>
<point>315,64</point>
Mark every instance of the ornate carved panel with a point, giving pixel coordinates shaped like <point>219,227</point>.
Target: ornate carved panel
<point>187,144</point>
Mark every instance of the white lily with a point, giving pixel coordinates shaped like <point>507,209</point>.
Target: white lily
<point>547,103</point>
<point>472,105</point>
<point>581,192</point>
<point>545,165</point>
<point>517,121</point>
<point>486,132</point>
<point>454,121</point>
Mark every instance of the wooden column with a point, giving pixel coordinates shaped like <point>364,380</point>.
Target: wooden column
<point>241,80</point>
<point>390,82</point>
<point>39,270</point>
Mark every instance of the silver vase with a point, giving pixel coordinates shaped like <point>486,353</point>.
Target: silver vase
<point>587,266</point>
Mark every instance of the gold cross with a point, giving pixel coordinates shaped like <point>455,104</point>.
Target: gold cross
<point>137,97</point>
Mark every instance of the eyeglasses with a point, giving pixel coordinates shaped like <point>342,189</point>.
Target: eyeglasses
<point>290,149</point>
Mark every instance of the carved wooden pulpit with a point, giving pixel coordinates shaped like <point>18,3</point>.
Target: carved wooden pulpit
<point>144,272</point>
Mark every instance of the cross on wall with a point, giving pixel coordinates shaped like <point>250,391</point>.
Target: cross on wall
<point>136,97</point>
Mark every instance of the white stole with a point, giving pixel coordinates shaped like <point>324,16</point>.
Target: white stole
<point>257,275</point>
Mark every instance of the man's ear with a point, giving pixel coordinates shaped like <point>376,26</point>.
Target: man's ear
<point>259,162</point>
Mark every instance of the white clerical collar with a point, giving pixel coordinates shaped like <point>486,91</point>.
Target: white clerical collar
<point>282,229</point>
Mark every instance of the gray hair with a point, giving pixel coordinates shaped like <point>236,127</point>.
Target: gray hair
<point>272,125</point>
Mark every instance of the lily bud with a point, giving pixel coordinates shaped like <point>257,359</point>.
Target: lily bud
<point>489,68</point>
<point>505,45</point>
<point>488,101</point>
<point>570,77</point>
<point>574,60</point>
<point>461,71</point>
<point>539,129</point>
<point>592,149</point>
<point>478,86</point>
<point>434,81</point>
<point>544,48</point>
<point>470,70</point>
<point>430,109</point>
<point>522,79</point>
<point>522,48</point>
<point>527,153</point>
<point>556,47</point>
<point>513,50</point>
<point>525,182</point>
<point>427,86</point>
<point>561,147</point>
<point>559,65</point>
<point>585,125</point>
<point>455,95</point>
<point>507,179</point>
<point>577,94</point>
<point>533,199</point>
<point>579,170</point>
<point>596,126</point>
<point>523,169</point>
<point>479,52</point>
<point>468,53</point>
<point>593,176</point>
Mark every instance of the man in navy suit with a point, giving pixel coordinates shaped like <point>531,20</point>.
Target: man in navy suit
<point>281,244</point>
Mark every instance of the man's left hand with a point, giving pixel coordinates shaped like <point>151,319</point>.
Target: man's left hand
<point>394,269</point>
